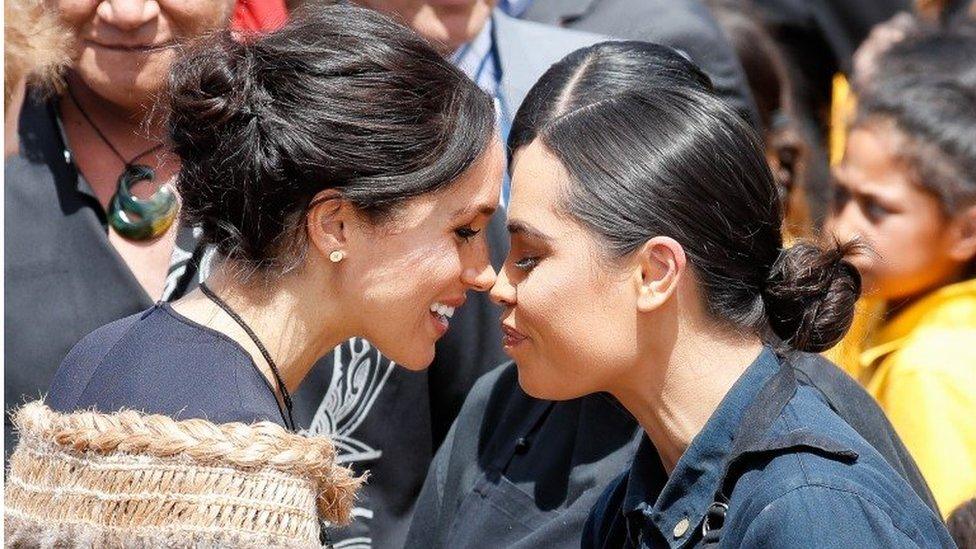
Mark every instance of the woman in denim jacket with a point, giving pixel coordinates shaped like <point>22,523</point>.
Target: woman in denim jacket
<point>647,262</point>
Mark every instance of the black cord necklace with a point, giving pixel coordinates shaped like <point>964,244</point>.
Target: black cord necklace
<point>289,420</point>
<point>132,217</point>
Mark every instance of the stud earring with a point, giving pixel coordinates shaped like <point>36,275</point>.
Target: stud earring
<point>337,256</point>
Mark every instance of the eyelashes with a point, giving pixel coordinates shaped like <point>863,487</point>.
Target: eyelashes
<point>526,263</point>
<point>466,233</point>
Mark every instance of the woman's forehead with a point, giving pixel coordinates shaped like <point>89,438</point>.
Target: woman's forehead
<point>538,180</point>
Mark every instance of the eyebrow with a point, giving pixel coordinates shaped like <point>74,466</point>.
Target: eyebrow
<point>516,227</point>
<point>487,210</point>
<point>858,192</point>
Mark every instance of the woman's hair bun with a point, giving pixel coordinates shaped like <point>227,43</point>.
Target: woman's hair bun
<point>210,86</point>
<point>341,98</point>
<point>810,295</point>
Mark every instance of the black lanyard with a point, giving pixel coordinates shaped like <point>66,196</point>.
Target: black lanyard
<point>289,420</point>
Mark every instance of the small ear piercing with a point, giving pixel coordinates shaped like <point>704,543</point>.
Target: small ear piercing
<point>337,256</point>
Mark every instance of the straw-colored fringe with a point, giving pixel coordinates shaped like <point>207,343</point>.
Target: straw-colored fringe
<point>37,46</point>
<point>132,479</point>
<point>20,533</point>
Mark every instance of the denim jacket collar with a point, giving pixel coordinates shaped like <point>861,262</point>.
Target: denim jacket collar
<point>682,499</point>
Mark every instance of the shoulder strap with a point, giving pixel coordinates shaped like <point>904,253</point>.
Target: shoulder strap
<point>750,442</point>
<point>756,421</point>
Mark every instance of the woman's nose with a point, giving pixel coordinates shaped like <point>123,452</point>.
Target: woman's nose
<point>478,272</point>
<point>503,292</point>
<point>480,279</point>
<point>127,15</point>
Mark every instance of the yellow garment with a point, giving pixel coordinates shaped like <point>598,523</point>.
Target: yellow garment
<point>923,366</point>
<point>868,314</point>
<point>843,103</point>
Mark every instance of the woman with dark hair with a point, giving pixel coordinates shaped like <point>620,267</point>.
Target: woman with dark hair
<point>647,262</point>
<point>342,170</point>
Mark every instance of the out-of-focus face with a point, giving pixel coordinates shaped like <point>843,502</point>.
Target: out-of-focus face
<point>447,24</point>
<point>876,200</point>
<point>126,47</point>
<point>409,275</point>
<point>569,316</point>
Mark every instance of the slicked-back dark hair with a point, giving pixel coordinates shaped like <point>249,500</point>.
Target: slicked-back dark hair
<point>651,150</point>
<point>340,98</point>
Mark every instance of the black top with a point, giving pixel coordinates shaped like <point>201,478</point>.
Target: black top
<point>519,472</point>
<point>62,277</point>
<point>163,363</point>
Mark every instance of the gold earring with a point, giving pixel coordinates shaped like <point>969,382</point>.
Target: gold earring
<point>337,256</point>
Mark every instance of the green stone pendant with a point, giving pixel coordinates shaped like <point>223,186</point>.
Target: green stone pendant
<point>141,219</point>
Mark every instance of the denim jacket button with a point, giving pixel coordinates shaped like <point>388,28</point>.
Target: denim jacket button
<point>681,528</point>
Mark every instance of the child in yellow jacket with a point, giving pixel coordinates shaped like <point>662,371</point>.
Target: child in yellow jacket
<point>907,188</point>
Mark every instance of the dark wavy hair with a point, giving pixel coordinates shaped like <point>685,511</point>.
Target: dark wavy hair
<point>340,98</point>
<point>651,150</point>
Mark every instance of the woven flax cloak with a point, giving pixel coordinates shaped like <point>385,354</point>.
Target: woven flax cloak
<point>128,479</point>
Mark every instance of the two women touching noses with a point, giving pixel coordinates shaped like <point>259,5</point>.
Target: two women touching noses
<point>647,262</point>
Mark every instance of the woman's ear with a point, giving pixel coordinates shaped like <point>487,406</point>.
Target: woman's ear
<point>660,264</point>
<point>328,222</point>
<point>962,248</point>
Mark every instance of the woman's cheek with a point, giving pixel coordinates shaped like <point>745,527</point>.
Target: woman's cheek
<point>76,13</point>
<point>552,311</point>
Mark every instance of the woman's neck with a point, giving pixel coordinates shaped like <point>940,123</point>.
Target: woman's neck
<point>119,123</point>
<point>104,137</point>
<point>291,320</point>
<point>672,394</point>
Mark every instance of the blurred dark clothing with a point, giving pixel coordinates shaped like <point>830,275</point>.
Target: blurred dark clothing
<point>836,27</point>
<point>819,38</point>
<point>519,472</point>
<point>959,12</point>
<point>62,276</point>
<point>685,25</point>
<point>160,362</point>
<point>386,419</point>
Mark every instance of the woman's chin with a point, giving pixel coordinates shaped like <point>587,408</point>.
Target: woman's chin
<point>537,387</point>
<point>415,361</point>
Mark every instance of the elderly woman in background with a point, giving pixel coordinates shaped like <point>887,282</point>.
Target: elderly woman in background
<point>90,211</point>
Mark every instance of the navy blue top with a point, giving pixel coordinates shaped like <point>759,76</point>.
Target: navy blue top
<point>161,362</point>
<point>814,483</point>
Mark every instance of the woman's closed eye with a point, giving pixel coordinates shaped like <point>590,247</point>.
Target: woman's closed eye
<point>526,263</point>
<point>466,233</point>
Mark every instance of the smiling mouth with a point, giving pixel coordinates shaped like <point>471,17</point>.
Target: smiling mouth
<point>136,48</point>
<point>442,313</point>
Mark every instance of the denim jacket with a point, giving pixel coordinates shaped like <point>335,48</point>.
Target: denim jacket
<point>774,466</point>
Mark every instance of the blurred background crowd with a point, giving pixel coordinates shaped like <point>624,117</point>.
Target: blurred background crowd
<point>868,117</point>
